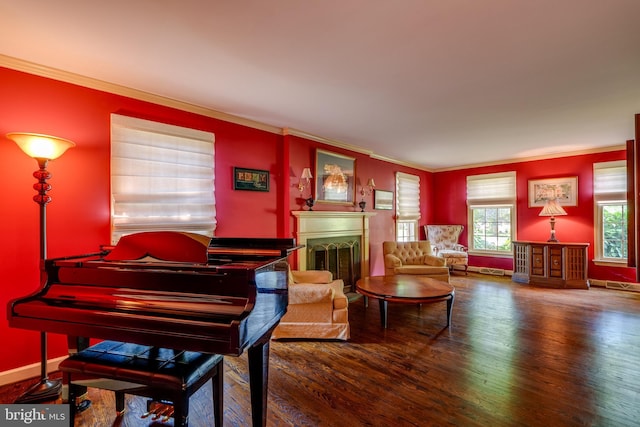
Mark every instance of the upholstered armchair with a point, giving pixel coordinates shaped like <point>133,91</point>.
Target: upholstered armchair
<point>413,258</point>
<point>318,307</point>
<point>444,239</point>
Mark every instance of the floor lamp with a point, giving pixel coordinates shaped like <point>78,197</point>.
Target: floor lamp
<point>42,148</point>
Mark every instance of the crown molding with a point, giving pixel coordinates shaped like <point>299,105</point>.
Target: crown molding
<point>91,83</point>
<point>400,162</point>
<point>534,158</point>
<point>339,144</point>
<point>327,141</point>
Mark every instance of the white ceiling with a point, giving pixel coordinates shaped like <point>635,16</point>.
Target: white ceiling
<point>436,83</point>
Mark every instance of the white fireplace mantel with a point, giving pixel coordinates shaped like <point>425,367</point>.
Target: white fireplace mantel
<point>324,224</point>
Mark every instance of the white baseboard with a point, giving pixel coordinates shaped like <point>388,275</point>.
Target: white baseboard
<point>29,371</point>
<point>598,283</point>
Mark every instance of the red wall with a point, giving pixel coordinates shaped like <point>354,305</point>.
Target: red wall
<point>78,217</point>
<point>577,226</point>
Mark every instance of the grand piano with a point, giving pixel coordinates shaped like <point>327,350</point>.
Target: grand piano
<point>169,289</point>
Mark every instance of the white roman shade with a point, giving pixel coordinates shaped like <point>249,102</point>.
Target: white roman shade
<point>610,181</point>
<point>493,188</point>
<point>407,197</point>
<point>162,178</point>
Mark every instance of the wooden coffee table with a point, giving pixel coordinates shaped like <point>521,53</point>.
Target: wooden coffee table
<point>407,289</point>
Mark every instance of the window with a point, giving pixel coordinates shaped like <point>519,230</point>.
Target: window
<point>610,197</point>
<point>407,207</point>
<point>491,200</point>
<point>161,178</point>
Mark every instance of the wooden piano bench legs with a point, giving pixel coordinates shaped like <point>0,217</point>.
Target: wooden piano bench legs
<point>162,374</point>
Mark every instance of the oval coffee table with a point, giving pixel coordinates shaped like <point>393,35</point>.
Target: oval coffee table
<point>408,289</point>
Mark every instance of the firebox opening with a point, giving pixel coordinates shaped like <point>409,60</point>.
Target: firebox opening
<point>340,255</point>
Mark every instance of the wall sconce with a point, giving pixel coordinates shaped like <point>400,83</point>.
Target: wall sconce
<point>305,179</point>
<point>305,182</point>
<point>42,148</point>
<point>366,191</point>
<point>552,208</point>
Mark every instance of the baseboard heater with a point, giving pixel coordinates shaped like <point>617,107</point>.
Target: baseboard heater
<point>492,271</point>
<point>624,286</point>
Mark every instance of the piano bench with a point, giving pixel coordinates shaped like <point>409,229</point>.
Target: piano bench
<point>162,374</point>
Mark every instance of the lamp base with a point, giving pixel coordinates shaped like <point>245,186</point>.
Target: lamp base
<point>46,389</point>
<point>552,221</point>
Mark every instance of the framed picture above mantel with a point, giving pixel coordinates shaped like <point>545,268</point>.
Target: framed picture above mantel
<point>335,178</point>
<point>564,190</point>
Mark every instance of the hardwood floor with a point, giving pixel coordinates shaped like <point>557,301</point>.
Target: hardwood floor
<point>515,355</point>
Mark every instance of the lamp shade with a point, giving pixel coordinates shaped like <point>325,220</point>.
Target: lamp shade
<point>306,173</point>
<point>552,208</point>
<point>41,146</point>
<point>371,183</point>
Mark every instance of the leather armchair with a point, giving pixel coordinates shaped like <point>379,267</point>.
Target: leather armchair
<point>413,258</point>
<point>318,307</point>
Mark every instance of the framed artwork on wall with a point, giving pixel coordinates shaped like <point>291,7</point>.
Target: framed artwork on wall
<point>564,190</point>
<point>335,178</point>
<point>382,199</point>
<point>250,179</point>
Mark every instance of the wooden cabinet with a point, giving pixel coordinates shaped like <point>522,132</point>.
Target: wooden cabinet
<point>551,264</point>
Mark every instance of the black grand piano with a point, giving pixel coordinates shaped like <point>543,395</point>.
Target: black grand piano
<point>169,289</point>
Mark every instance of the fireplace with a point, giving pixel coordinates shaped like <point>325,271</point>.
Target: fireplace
<point>339,255</point>
<point>334,241</point>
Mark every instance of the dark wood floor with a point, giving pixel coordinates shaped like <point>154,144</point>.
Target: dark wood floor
<point>515,356</point>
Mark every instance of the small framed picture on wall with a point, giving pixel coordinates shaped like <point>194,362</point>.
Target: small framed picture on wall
<point>382,199</point>
<point>250,179</point>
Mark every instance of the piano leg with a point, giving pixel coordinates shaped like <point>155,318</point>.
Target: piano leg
<point>258,355</point>
<point>74,345</point>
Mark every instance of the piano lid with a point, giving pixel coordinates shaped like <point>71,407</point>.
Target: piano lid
<point>194,248</point>
<point>162,246</point>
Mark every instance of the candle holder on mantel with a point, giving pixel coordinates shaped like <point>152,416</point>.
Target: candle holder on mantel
<point>310,202</point>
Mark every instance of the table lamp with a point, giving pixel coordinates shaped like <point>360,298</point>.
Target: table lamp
<point>552,208</point>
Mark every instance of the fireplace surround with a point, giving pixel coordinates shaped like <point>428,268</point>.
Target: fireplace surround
<point>334,229</point>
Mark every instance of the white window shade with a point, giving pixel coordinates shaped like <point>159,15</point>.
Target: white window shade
<point>610,180</point>
<point>491,188</point>
<point>407,197</point>
<point>162,178</point>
